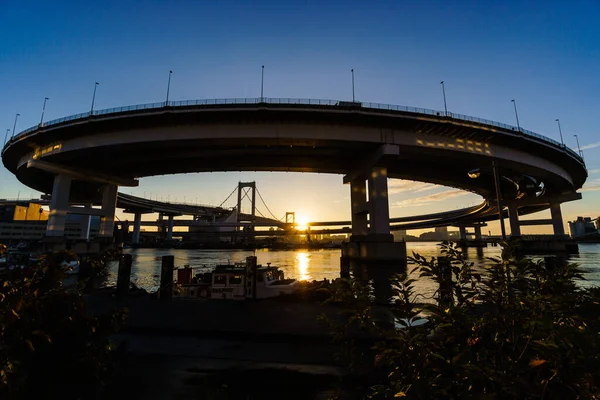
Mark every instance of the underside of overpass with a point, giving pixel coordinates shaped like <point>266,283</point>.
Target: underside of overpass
<point>524,171</point>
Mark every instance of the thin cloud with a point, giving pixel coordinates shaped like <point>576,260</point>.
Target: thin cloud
<point>591,186</point>
<point>402,186</point>
<point>594,171</point>
<point>432,198</point>
<point>591,146</point>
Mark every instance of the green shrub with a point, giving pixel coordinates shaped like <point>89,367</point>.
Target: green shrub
<point>522,330</point>
<point>50,347</point>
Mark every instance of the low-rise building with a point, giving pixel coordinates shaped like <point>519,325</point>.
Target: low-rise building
<point>24,221</point>
<point>583,226</point>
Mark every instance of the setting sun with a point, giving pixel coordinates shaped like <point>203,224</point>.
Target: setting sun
<point>302,223</point>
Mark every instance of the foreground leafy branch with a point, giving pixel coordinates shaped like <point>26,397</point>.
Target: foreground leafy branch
<point>522,329</point>
<point>50,347</point>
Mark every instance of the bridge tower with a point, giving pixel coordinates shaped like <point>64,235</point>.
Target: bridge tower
<point>246,190</point>
<point>290,217</point>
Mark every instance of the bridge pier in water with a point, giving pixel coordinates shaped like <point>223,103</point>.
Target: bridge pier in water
<point>371,240</point>
<point>170,227</point>
<point>137,227</point>
<point>558,242</point>
<point>475,239</point>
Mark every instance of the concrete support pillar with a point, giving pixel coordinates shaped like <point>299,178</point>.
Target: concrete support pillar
<point>137,225</point>
<point>358,197</point>
<point>379,222</point>
<point>477,232</point>
<point>557,220</point>
<point>513,217</point>
<point>462,232</point>
<point>160,222</point>
<point>58,206</point>
<point>86,223</point>
<point>109,205</point>
<point>170,227</point>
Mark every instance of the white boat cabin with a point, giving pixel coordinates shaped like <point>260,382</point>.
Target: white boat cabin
<point>239,281</point>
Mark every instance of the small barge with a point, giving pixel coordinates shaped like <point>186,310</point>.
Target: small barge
<point>234,281</point>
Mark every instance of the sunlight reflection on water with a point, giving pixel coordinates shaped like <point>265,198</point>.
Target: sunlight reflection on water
<point>303,263</point>
<point>315,264</point>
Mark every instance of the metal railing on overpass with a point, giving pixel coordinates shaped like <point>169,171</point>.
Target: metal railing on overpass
<point>292,101</point>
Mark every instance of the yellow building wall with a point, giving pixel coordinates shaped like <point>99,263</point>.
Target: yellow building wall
<point>20,213</point>
<point>30,213</point>
<point>35,212</point>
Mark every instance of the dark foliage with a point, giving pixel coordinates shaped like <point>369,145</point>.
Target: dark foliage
<point>49,346</point>
<point>521,330</point>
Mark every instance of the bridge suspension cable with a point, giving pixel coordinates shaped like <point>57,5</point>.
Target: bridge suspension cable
<point>245,196</point>
<point>230,194</point>
<point>266,206</point>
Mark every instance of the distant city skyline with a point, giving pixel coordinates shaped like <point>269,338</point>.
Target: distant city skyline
<point>544,57</point>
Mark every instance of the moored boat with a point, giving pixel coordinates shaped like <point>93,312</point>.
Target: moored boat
<point>235,281</point>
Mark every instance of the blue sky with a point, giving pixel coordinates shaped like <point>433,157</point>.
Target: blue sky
<point>546,55</point>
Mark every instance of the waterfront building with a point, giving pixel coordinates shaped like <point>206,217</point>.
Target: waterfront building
<point>583,226</point>
<point>24,220</point>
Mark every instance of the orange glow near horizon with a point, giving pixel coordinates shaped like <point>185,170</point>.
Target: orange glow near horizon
<point>302,222</point>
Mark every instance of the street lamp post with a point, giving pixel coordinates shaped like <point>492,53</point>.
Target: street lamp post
<point>352,71</point>
<point>444,93</point>
<point>262,83</point>
<point>476,173</point>
<point>498,199</point>
<point>560,132</point>
<point>516,115</point>
<point>168,88</point>
<point>14,126</point>
<point>93,99</point>
<point>6,136</point>
<point>578,148</point>
<point>43,109</point>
